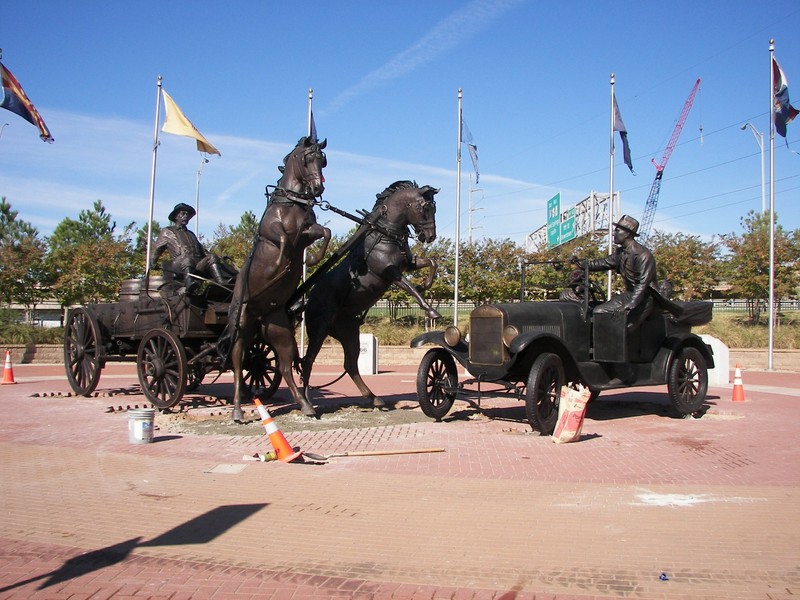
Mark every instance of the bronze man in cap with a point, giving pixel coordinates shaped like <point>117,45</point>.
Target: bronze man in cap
<point>638,269</point>
<point>187,253</point>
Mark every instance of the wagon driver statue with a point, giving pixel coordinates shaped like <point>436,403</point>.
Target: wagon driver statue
<point>188,257</point>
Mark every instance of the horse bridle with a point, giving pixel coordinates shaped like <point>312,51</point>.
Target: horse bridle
<point>306,197</point>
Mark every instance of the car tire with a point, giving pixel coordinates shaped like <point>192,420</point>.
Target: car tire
<point>543,392</point>
<point>437,381</point>
<point>687,380</point>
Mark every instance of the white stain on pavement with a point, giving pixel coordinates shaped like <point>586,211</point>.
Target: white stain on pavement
<point>647,498</point>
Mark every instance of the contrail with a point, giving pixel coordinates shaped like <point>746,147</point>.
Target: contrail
<point>454,30</point>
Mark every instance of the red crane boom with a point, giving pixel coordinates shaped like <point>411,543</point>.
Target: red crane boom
<point>655,189</point>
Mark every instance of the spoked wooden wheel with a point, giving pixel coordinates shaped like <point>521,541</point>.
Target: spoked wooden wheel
<point>544,392</point>
<point>437,382</point>
<point>687,381</point>
<point>162,369</point>
<point>260,369</point>
<point>83,352</point>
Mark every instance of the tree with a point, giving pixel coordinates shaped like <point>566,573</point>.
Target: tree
<point>490,271</point>
<point>236,242</point>
<point>88,260</point>
<point>690,264</point>
<point>748,261</point>
<point>23,277</point>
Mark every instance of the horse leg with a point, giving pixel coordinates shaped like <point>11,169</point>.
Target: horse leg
<point>316,337</point>
<point>316,232</point>
<point>347,335</point>
<point>412,291</point>
<point>431,265</point>
<point>242,340</point>
<point>281,335</point>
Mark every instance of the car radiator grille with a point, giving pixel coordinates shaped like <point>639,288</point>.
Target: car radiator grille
<point>486,340</point>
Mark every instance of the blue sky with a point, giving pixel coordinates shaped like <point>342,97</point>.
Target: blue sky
<point>535,78</point>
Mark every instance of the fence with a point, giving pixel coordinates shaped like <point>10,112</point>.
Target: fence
<point>409,311</point>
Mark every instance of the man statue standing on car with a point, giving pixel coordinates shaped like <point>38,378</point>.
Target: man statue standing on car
<point>638,269</point>
<point>187,253</point>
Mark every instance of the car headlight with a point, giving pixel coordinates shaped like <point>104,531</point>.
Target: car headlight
<point>452,336</point>
<point>509,333</point>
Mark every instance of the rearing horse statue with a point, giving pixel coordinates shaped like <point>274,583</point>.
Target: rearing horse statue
<point>340,299</point>
<point>275,266</point>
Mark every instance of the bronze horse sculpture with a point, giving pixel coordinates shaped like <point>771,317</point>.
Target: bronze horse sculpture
<point>273,270</point>
<point>340,299</point>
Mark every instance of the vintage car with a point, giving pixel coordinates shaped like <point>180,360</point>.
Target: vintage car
<point>535,348</point>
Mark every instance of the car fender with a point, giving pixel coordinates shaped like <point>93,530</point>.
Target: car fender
<point>674,344</point>
<point>536,342</point>
<point>460,352</point>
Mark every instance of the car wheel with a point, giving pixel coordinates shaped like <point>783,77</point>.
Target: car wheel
<point>544,392</point>
<point>687,381</point>
<point>437,382</point>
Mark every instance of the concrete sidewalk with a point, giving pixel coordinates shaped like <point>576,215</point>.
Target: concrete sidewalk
<point>710,503</point>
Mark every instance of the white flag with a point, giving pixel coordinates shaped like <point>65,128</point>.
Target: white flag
<point>177,123</point>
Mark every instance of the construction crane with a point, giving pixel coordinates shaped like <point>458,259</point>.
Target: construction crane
<point>655,189</point>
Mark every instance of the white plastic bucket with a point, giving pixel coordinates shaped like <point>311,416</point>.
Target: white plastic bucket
<point>140,425</point>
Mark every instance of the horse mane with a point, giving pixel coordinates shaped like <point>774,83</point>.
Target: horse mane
<point>396,186</point>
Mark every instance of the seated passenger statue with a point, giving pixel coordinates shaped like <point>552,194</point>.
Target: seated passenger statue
<point>638,269</point>
<point>188,257</point>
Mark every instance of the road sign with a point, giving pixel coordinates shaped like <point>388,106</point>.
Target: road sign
<point>567,225</point>
<point>554,221</point>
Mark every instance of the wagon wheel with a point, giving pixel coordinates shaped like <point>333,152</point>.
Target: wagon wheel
<point>83,352</point>
<point>437,381</point>
<point>162,369</point>
<point>687,381</point>
<point>260,369</point>
<point>544,392</point>
<point>194,376</point>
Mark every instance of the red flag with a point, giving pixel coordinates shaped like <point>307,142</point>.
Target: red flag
<point>784,111</point>
<point>15,100</point>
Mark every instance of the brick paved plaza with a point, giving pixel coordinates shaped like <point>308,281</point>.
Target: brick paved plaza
<point>710,503</point>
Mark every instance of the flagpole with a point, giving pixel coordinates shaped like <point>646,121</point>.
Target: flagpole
<point>458,211</point>
<point>203,161</point>
<point>305,268</point>
<point>771,312</point>
<point>153,176</point>
<point>611,187</point>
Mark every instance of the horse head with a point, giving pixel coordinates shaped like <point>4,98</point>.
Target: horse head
<point>422,213</point>
<point>302,168</point>
<point>405,203</point>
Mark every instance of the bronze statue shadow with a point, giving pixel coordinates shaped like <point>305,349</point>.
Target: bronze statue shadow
<point>632,404</point>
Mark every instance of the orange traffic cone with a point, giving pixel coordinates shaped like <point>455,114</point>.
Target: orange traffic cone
<point>8,372</point>
<point>738,388</point>
<point>282,448</point>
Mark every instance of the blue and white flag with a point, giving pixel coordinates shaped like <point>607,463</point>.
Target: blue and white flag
<point>466,138</point>
<point>623,134</point>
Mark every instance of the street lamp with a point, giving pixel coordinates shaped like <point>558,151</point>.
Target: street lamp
<point>760,141</point>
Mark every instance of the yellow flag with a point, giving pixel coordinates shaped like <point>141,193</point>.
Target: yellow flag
<point>177,123</point>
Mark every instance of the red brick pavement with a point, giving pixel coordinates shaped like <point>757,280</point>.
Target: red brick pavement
<point>502,513</point>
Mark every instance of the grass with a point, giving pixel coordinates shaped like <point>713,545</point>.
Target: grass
<point>735,330</point>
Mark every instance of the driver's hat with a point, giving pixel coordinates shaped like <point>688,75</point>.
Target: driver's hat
<point>178,208</point>
<point>628,223</point>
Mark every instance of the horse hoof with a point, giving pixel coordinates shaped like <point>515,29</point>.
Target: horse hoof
<point>309,411</point>
<point>434,315</point>
<point>238,416</point>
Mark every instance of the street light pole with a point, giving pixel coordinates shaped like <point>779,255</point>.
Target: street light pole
<point>759,137</point>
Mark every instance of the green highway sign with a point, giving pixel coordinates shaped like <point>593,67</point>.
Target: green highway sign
<point>554,221</point>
